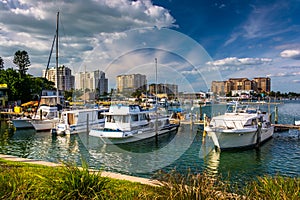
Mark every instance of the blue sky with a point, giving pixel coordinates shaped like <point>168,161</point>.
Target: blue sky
<point>195,42</point>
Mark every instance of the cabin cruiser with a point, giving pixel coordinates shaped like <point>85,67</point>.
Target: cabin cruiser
<point>130,123</point>
<point>80,120</point>
<point>240,127</point>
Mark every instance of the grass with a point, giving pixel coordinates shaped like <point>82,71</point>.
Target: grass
<point>29,181</point>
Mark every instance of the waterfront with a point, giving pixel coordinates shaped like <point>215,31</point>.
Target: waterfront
<point>181,151</point>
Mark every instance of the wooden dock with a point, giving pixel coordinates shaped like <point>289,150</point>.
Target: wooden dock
<point>8,115</point>
<point>285,127</point>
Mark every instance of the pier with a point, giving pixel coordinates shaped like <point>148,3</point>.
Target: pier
<point>9,114</point>
<point>284,127</point>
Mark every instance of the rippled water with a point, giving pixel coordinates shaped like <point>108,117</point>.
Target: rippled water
<point>181,151</point>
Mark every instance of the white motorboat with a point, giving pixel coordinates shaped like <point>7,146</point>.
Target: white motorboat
<point>22,123</point>
<point>80,120</point>
<point>48,118</point>
<point>240,127</point>
<point>129,123</point>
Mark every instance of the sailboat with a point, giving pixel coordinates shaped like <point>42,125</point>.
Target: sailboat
<point>49,112</point>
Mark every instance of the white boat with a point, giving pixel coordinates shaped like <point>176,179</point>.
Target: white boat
<point>297,122</point>
<point>76,121</point>
<point>129,123</point>
<point>240,127</point>
<point>22,122</point>
<point>48,118</point>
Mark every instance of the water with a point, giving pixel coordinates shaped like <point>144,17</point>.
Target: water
<point>182,151</point>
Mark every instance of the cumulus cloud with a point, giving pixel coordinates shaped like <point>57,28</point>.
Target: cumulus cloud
<point>234,61</point>
<point>291,53</point>
<point>30,25</point>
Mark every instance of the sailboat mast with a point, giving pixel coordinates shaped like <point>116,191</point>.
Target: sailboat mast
<point>156,114</point>
<point>57,90</point>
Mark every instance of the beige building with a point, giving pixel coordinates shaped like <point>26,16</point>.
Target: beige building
<point>261,84</point>
<point>65,77</point>
<point>168,89</point>
<point>127,84</point>
<point>94,81</point>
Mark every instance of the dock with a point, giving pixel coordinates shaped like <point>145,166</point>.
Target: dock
<point>285,127</point>
<point>8,115</point>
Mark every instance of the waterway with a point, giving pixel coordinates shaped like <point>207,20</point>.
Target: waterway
<point>182,151</point>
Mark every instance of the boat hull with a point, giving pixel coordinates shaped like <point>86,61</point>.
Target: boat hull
<point>78,128</point>
<point>239,139</point>
<point>22,123</point>
<point>43,125</point>
<point>121,137</point>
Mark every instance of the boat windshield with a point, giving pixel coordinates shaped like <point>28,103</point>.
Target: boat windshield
<point>241,109</point>
<point>117,118</point>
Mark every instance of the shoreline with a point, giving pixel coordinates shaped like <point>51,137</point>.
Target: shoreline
<point>112,175</point>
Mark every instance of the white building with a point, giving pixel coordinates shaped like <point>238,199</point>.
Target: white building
<point>65,77</point>
<point>131,82</point>
<point>93,81</point>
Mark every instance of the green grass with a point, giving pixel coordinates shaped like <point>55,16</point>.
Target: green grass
<point>30,181</point>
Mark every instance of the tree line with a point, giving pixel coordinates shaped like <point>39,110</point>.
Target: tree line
<point>21,85</point>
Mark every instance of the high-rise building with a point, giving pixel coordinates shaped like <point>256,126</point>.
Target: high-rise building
<point>93,81</point>
<point>128,84</point>
<point>65,77</point>
<point>263,84</point>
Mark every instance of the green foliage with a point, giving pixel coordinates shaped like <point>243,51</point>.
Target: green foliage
<point>23,88</point>
<point>21,59</point>
<point>26,181</point>
<point>11,78</point>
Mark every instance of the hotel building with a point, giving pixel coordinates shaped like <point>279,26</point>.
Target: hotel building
<point>258,85</point>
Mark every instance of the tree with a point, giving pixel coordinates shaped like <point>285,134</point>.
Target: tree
<point>1,63</point>
<point>21,59</point>
<point>11,78</point>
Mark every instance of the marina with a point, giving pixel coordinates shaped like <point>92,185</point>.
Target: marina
<point>182,150</point>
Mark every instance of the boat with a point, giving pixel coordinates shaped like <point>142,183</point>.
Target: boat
<point>22,122</point>
<point>130,123</point>
<point>241,126</point>
<point>47,110</point>
<point>48,117</point>
<point>80,120</point>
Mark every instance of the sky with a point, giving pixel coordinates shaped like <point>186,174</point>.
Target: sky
<point>190,43</point>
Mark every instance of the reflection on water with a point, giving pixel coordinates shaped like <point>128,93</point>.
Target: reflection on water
<point>147,157</point>
<point>182,151</point>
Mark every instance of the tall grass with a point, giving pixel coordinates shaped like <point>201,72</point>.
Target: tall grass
<point>278,187</point>
<point>76,183</point>
<point>195,186</point>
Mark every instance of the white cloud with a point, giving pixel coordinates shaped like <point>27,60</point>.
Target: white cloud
<point>292,53</point>
<point>30,25</point>
<point>234,61</point>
